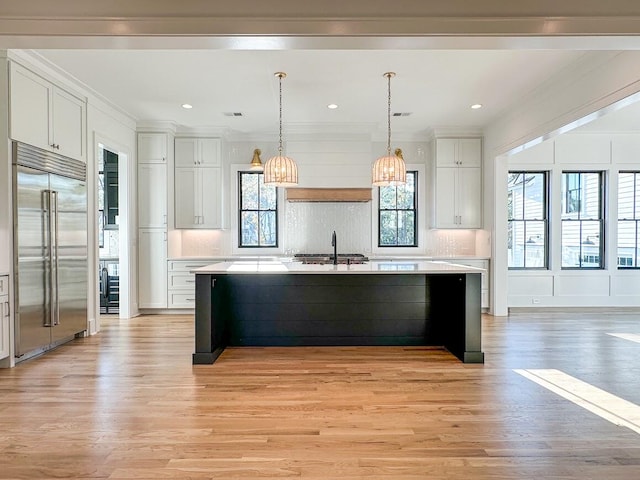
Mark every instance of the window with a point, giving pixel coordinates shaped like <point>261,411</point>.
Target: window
<point>573,193</point>
<point>528,224</point>
<point>628,220</point>
<point>397,213</point>
<point>582,220</point>
<point>258,212</point>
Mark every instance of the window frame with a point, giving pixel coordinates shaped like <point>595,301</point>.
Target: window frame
<point>240,210</point>
<point>415,244</point>
<point>546,192</point>
<point>600,220</point>
<point>636,219</point>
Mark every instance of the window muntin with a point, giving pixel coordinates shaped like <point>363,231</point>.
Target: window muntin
<point>258,212</point>
<point>628,220</point>
<point>398,213</point>
<point>582,220</point>
<point>527,220</point>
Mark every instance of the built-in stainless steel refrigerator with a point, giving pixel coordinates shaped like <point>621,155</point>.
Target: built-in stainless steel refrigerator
<point>50,249</point>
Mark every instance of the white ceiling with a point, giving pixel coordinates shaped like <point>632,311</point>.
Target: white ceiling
<point>436,86</point>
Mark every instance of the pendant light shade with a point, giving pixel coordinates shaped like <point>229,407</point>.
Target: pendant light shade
<point>280,170</point>
<point>390,169</point>
<point>256,163</point>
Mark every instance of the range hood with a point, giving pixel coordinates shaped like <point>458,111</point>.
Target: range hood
<point>328,194</point>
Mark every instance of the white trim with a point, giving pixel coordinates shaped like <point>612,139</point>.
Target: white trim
<point>233,212</point>
<point>422,219</point>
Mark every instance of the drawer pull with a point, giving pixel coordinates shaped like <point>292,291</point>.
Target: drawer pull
<point>190,299</point>
<point>189,281</point>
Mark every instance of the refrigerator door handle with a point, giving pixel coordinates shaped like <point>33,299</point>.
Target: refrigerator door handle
<point>46,227</point>
<point>55,260</point>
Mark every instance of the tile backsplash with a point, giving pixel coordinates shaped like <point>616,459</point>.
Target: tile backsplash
<point>308,227</point>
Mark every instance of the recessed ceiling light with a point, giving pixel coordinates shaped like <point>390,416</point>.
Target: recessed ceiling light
<point>476,106</point>
<point>332,106</point>
<point>187,106</point>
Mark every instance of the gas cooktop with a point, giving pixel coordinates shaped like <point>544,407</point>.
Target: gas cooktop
<point>327,258</point>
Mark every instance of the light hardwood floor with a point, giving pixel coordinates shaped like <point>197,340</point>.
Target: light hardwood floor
<point>128,404</point>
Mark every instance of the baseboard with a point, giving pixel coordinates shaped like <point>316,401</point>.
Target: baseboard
<point>635,310</point>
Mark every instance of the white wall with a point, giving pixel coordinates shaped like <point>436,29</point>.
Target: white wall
<point>586,288</point>
<point>597,80</point>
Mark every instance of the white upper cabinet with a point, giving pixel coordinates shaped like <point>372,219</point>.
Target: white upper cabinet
<point>198,183</point>
<point>45,115</point>
<point>152,180</point>
<point>458,152</point>
<point>152,147</point>
<point>458,183</point>
<point>198,197</point>
<point>193,152</point>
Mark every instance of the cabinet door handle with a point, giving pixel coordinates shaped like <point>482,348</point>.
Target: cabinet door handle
<point>164,218</point>
<point>7,310</point>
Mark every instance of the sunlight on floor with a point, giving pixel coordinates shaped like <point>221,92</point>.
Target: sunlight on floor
<point>614,409</point>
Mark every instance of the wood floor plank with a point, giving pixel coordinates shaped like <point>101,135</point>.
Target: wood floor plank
<point>128,404</point>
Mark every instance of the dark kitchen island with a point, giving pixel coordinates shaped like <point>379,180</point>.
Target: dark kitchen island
<point>273,303</point>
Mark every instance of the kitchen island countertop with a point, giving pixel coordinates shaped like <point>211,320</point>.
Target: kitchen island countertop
<point>378,267</point>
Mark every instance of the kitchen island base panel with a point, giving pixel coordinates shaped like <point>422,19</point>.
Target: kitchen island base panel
<point>339,310</point>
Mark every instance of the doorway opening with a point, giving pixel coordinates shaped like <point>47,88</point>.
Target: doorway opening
<point>108,232</point>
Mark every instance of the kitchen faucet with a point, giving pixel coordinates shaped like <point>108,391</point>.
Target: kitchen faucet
<point>334,244</point>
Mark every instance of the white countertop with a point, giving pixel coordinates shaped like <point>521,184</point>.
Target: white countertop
<point>379,267</point>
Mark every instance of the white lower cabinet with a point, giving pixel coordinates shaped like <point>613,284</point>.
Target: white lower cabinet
<point>5,316</point>
<point>181,284</point>
<point>152,268</point>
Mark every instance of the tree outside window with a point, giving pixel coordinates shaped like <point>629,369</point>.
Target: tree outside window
<point>397,214</point>
<point>258,222</point>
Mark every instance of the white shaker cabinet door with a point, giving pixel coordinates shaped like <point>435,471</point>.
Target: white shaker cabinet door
<point>459,152</point>
<point>152,147</point>
<point>152,268</point>
<point>211,197</point>
<point>68,124</point>
<point>4,326</point>
<point>469,198</point>
<point>186,194</point>
<point>469,152</point>
<point>152,195</point>
<point>30,108</point>
<point>445,204</point>
<point>210,152</point>
<point>186,152</point>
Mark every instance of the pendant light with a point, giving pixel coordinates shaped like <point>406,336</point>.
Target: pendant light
<point>390,169</point>
<point>256,163</point>
<point>280,170</point>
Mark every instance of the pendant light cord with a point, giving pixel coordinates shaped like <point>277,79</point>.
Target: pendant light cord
<point>280,114</point>
<point>389,75</point>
